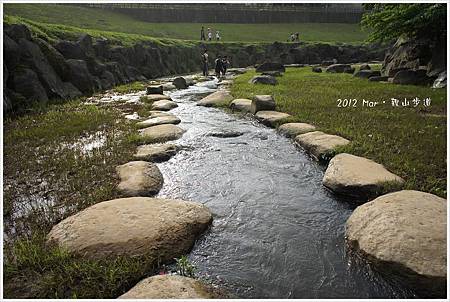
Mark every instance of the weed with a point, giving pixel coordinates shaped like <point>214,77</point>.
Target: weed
<point>184,267</point>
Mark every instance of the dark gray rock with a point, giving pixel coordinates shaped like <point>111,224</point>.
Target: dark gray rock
<point>378,79</point>
<point>271,66</point>
<point>11,52</point>
<point>226,134</point>
<point>155,89</point>
<point>180,83</point>
<point>316,69</point>
<point>80,77</point>
<point>107,80</point>
<point>263,79</point>
<point>55,58</point>
<point>366,74</point>
<point>17,32</point>
<point>349,70</point>
<point>72,91</point>
<point>262,103</point>
<point>26,81</point>
<point>410,77</point>
<point>273,73</point>
<point>70,50</point>
<point>338,68</point>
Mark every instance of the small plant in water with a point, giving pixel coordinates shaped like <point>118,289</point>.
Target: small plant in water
<point>184,267</point>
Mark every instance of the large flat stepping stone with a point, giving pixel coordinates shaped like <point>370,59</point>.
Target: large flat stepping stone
<point>404,233</point>
<point>157,113</point>
<point>155,153</point>
<point>359,177</point>
<point>139,178</point>
<point>262,102</point>
<point>169,287</point>
<point>136,226</point>
<point>294,129</point>
<point>243,105</point>
<point>159,120</point>
<point>155,89</point>
<point>161,133</point>
<point>216,99</point>
<point>271,118</point>
<point>319,144</point>
<point>164,105</point>
<point>150,98</point>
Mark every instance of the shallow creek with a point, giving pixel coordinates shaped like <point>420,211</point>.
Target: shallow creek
<point>277,232</point>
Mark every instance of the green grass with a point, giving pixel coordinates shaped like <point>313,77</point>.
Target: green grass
<point>105,20</point>
<point>49,174</point>
<point>410,142</point>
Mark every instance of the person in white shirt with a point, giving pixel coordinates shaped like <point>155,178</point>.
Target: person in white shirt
<point>209,34</point>
<point>217,35</point>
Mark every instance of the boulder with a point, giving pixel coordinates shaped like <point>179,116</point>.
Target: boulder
<point>139,178</point>
<point>180,83</point>
<point>316,69</point>
<point>55,58</point>
<point>169,287</point>
<point>404,234</point>
<point>243,105</point>
<point>367,73</point>
<point>294,129</point>
<point>71,50</point>
<point>27,83</point>
<point>350,70</point>
<point>155,89</point>
<point>168,86</point>
<point>216,99</point>
<point>338,68</point>
<point>378,79</point>
<point>161,133</point>
<point>155,153</point>
<point>80,77</point>
<point>441,81</point>
<point>158,113</point>
<point>409,77</point>
<point>273,73</point>
<point>271,118</point>
<point>263,79</point>
<point>138,226</point>
<point>269,66</point>
<point>262,102</point>
<point>364,67</point>
<point>159,120</point>
<point>320,144</point>
<point>17,32</point>
<point>150,98</point>
<point>359,177</point>
<point>164,105</point>
<point>11,52</point>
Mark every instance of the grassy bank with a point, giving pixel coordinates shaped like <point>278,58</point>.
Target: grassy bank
<point>410,142</point>
<point>105,20</point>
<point>58,161</point>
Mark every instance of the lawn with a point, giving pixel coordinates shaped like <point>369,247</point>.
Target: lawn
<point>105,20</point>
<point>409,141</point>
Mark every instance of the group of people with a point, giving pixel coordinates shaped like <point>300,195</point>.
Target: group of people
<point>294,37</point>
<point>210,34</point>
<point>221,65</point>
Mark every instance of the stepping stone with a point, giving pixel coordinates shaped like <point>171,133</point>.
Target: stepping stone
<point>243,105</point>
<point>155,153</point>
<point>161,133</point>
<point>159,120</point>
<point>262,102</point>
<point>164,105</point>
<point>169,287</point>
<point>168,86</point>
<point>155,89</point>
<point>139,178</point>
<point>270,118</point>
<point>217,99</point>
<point>180,83</point>
<point>404,234</point>
<point>319,144</point>
<point>150,98</point>
<point>359,177</point>
<point>137,226</point>
<point>263,79</point>
<point>158,113</point>
<point>294,129</point>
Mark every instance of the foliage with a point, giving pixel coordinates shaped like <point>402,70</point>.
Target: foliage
<point>410,142</point>
<point>390,21</point>
<point>184,267</point>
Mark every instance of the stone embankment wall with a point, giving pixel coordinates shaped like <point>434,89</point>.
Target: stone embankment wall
<point>36,70</point>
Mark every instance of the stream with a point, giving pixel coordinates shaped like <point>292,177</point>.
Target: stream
<point>277,232</point>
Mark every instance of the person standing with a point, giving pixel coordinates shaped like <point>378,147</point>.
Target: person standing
<point>218,67</point>
<point>202,34</point>
<point>217,35</point>
<point>225,65</point>
<point>209,34</point>
<point>205,63</point>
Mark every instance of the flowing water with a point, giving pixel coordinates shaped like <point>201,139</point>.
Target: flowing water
<point>277,232</point>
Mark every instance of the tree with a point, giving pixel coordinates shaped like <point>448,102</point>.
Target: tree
<point>386,22</point>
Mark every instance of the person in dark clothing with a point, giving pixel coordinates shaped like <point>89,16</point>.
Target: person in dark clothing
<point>202,34</point>
<point>205,63</point>
<point>225,64</point>
<point>218,66</point>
